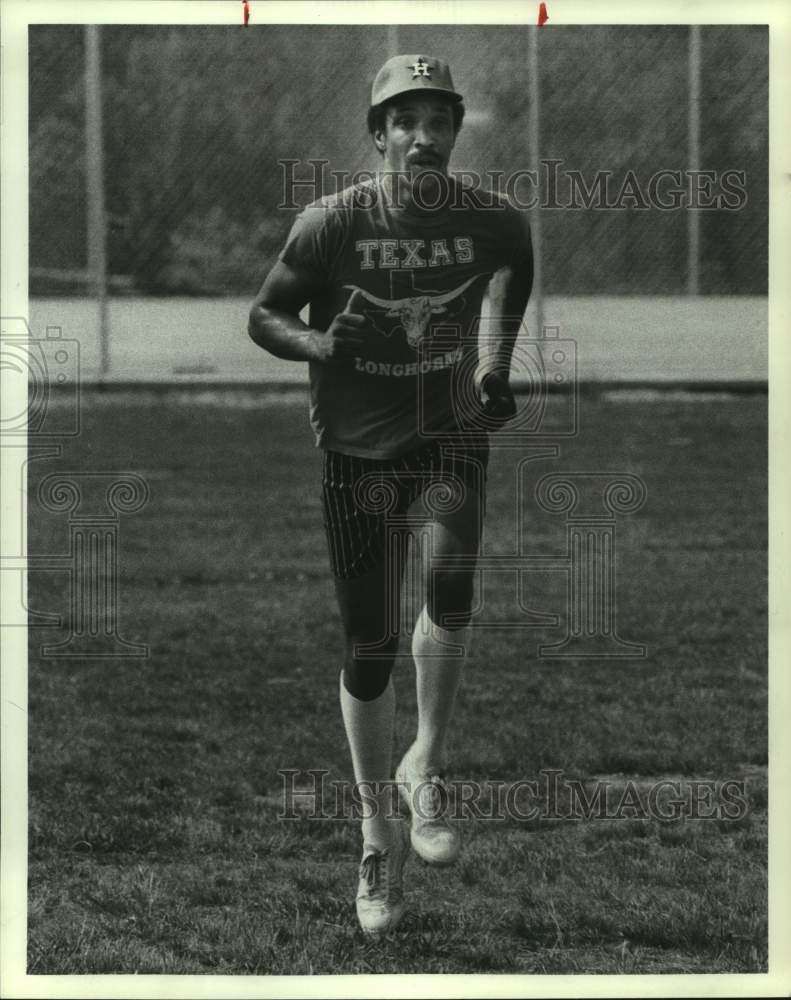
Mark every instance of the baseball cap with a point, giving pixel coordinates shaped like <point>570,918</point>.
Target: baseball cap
<point>403,74</point>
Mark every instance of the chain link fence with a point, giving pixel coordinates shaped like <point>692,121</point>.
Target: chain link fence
<point>197,121</point>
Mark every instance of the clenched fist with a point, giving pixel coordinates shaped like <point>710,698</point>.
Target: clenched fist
<point>497,398</point>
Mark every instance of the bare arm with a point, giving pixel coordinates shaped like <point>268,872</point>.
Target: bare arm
<point>274,322</point>
<point>509,292</point>
<point>275,325</point>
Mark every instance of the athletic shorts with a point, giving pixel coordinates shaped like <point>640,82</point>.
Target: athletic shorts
<point>361,497</point>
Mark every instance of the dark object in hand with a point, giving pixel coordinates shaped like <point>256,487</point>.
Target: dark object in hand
<point>497,398</point>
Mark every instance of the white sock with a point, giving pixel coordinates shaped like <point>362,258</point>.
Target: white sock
<point>437,677</point>
<point>369,730</point>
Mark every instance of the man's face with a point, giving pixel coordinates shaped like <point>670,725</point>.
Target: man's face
<point>418,136</point>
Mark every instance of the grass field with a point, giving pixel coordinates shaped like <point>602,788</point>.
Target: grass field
<point>155,845</point>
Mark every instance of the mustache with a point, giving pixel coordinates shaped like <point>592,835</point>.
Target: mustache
<point>432,159</point>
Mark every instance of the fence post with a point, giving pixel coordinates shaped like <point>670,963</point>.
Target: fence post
<point>94,174</point>
<point>693,143</point>
<point>534,141</point>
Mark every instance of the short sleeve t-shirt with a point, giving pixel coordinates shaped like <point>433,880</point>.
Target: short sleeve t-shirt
<point>421,277</point>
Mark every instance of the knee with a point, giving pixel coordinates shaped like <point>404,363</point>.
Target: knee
<point>368,665</point>
<point>450,600</point>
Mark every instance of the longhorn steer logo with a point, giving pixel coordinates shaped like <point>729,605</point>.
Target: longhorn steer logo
<point>415,312</point>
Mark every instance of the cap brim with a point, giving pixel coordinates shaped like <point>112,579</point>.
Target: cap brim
<point>417,91</point>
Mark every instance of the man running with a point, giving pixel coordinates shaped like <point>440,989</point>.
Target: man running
<point>394,270</point>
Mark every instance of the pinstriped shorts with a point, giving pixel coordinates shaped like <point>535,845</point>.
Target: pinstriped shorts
<point>361,497</point>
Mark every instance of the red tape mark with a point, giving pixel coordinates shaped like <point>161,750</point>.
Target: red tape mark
<point>543,17</point>
<point>247,13</point>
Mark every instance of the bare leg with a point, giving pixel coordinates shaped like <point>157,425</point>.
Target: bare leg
<point>438,670</point>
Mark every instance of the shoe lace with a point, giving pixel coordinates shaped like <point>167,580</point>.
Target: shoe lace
<point>370,869</point>
<point>375,870</point>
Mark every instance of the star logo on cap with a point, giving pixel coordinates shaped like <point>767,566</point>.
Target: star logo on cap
<point>420,68</point>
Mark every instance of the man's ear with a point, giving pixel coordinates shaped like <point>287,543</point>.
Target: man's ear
<point>379,140</point>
